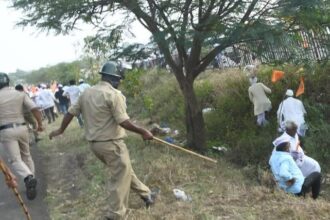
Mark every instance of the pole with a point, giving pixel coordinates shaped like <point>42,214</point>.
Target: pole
<point>185,150</point>
<point>4,169</point>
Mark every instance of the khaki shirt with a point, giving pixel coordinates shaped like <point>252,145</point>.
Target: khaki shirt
<point>12,103</point>
<point>103,108</point>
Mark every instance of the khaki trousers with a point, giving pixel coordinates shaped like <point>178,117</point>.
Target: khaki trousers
<point>15,142</point>
<point>115,156</point>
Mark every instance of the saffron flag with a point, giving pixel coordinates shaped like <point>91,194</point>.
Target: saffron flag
<point>277,75</point>
<point>301,88</point>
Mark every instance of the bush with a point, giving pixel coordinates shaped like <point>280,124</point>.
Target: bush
<point>233,125</point>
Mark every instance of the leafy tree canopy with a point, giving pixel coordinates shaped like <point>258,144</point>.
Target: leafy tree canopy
<point>183,29</point>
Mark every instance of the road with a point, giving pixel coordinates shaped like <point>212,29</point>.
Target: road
<point>10,208</point>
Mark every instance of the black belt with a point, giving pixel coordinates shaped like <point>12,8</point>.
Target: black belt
<point>11,125</point>
<point>95,141</point>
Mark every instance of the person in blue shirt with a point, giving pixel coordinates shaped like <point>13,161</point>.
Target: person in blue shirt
<point>288,175</point>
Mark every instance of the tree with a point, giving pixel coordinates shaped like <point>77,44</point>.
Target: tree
<point>184,30</point>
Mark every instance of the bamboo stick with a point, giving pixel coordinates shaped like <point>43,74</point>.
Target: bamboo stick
<point>185,150</point>
<point>4,169</point>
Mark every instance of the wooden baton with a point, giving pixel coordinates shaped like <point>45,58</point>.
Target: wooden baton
<point>185,150</point>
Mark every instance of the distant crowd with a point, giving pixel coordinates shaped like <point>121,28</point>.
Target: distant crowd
<point>54,98</point>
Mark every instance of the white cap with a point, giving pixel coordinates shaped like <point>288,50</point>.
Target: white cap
<point>289,92</point>
<point>280,140</point>
<point>81,80</point>
<point>60,85</point>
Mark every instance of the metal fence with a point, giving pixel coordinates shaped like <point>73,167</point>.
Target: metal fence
<point>294,47</point>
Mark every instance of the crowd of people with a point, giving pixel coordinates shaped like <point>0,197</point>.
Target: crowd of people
<point>293,170</point>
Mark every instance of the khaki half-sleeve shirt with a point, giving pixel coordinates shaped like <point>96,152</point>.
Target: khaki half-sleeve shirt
<point>12,103</point>
<point>103,108</point>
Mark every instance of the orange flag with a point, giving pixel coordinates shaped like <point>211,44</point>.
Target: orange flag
<point>301,88</point>
<point>277,75</point>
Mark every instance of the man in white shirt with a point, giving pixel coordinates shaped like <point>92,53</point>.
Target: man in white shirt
<point>73,93</point>
<point>292,109</point>
<point>47,100</point>
<point>306,164</point>
<point>82,85</point>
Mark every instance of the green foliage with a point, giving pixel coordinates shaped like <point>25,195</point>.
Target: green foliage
<point>132,84</point>
<point>62,71</point>
<point>317,140</point>
<point>317,143</point>
<point>148,104</point>
<point>155,95</point>
<point>204,92</point>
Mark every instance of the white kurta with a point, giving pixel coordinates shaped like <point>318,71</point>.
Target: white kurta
<point>73,93</point>
<point>291,109</point>
<point>257,95</point>
<point>83,86</point>
<point>45,99</point>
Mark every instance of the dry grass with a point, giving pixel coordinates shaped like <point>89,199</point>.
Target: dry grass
<point>76,185</point>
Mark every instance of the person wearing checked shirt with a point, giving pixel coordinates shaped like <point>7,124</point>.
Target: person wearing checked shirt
<point>14,136</point>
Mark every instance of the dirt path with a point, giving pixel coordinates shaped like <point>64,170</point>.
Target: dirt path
<point>10,208</point>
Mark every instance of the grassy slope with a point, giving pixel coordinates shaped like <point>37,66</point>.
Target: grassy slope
<point>76,185</point>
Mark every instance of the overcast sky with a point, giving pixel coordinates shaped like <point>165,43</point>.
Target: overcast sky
<point>28,49</point>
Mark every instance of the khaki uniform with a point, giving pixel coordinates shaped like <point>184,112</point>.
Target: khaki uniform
<point>14,136</point>
<point>103,108</point>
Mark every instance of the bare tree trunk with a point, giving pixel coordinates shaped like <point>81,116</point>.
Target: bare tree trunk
<point>194,118</point>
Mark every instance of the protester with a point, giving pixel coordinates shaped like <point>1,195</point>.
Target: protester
<point>73,93</point>
<point>306,164</point>
<point>292,109</point>
<point>257,94</point>
<point>63,100</point>
<point>14,134</point>
<point>82,85</point>
<point>47,101</point>
<point>104,111</point>
<point>287,174</point>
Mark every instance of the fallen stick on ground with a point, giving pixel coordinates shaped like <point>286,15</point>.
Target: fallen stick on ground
<point>185,150</point>
<point>4,169</point>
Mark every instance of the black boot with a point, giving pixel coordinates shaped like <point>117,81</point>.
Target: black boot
<point>151,199</point>
<point>31,187</point>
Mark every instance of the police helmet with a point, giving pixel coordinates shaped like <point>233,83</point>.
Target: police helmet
<point>4,80</point>
<point>110,69</point>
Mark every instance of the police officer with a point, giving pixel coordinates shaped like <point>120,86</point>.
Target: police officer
<point>104,111</point>
<point>14,134</point>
